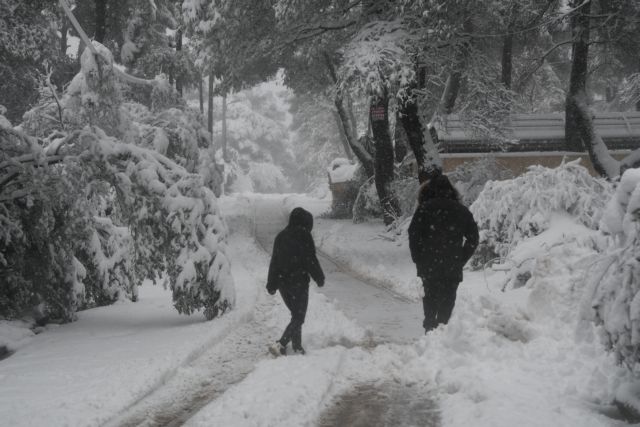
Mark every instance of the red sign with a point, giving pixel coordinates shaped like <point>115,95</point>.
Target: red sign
<point>377,113</point>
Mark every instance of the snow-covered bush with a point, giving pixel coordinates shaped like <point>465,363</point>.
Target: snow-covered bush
<point>470,177</point>
<point>509,211</point>
<point>616,298</point>
<point>268,178</point>
<point>87,213</point>
<point>42,221</point>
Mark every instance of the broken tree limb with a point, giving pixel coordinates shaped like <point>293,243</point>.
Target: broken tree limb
<point>85,39</point>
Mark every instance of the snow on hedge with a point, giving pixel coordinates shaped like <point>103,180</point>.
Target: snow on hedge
<point>509,211</point>
<point>104,199</point>
<point>616,298</point>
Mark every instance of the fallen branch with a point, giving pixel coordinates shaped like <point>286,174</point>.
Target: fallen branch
<point>85,39</point>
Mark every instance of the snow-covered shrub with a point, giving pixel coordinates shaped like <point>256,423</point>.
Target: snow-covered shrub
<point>268,178</point>
<point>509,211</point>
<point>87,214</point>
<point>470,177</point>
<point>42,224</point>
<point>174,221</point>
<point>616,298</point>
<point>110,266</point>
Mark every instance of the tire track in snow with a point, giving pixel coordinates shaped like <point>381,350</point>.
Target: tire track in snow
<point>206,375</point>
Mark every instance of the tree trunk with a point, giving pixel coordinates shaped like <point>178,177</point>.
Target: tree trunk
<point>361,153</point>
<point>358,149</point>
<point>224,127</point>
<point>343,137</point>
<point>179,70</point>
<point>101,20</point>
<point>400,140</point>
<point>578,80</point>
<point>601,159</point>
<point>352,118</point>
<point>427,158</point>
<point>454,81</point>
<point>64,31</point>
<point>507,59</point>
<point>210,107</point>
<point>201,95</point>
<point>379,115</point>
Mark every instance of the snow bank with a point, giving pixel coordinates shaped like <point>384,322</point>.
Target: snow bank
<point>341,170</point>
<point>14,334</point>
<point>616,298</point>
<point>522,357</point>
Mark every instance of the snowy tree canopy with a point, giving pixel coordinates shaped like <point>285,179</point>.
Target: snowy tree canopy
<point>112,209</point>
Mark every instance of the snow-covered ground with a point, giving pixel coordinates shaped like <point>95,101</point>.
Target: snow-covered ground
<point>520,357</point>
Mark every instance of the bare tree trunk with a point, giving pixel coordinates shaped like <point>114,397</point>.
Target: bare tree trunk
<point>358,149</point>
<point>64,31</point>
<point>352,118</point>
<point>601,159</point>
<point>427,158</point>
<point>343,136</point>
<point>201,95</point>
<point>454,81</point>
<point>507,59</point>
<point>361,153</point>
<point>101,20</point>
<point>179,72</point>
<point>578,80</point>
<point>400,140</point>
<point>210,107</point>
<point>224,127</point>
<point>379,114</point>
<point>580,133</point>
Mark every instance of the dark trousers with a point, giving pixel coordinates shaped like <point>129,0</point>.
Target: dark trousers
<point>439,299</point>
<point>296,301</point>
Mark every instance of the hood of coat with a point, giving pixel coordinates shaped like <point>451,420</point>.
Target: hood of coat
<point>301,218</point>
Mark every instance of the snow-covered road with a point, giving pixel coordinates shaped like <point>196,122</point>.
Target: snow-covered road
<point>387,316</point>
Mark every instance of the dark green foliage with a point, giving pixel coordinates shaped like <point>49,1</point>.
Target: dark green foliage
<point>27,41</point>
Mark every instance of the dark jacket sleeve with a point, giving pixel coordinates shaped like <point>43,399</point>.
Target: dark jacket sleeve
<point>312,264</point>
<point>272,278</point>
<point>415,234</point>
<point>471,237</point>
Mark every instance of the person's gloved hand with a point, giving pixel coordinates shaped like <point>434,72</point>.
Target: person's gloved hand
<point>321,284</point>
<point>272,291</point>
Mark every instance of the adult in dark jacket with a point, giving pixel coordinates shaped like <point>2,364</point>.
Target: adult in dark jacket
<point>293,261</point>
<point>442,237</point>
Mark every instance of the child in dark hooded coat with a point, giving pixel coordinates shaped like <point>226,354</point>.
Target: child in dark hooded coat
<point>293,262</point>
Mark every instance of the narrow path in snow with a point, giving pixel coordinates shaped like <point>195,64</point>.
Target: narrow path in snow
<point>388,317</point>
<point>201,381</point>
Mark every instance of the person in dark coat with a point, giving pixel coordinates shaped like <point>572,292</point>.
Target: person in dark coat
<point>293,262</point>
<point>442,237</point>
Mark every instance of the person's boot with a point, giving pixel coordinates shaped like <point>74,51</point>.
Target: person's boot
<point>299,350</point>
<point>277,349</point>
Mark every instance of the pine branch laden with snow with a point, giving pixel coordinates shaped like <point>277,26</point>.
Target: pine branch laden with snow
<point>42,219</point>
<point>510,211</point>
<point>616,298</point>
<point>175,224</point>
<point>173,221</point>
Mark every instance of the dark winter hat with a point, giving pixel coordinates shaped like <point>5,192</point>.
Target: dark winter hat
<point>301,218</point>
<point>438,187</point>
